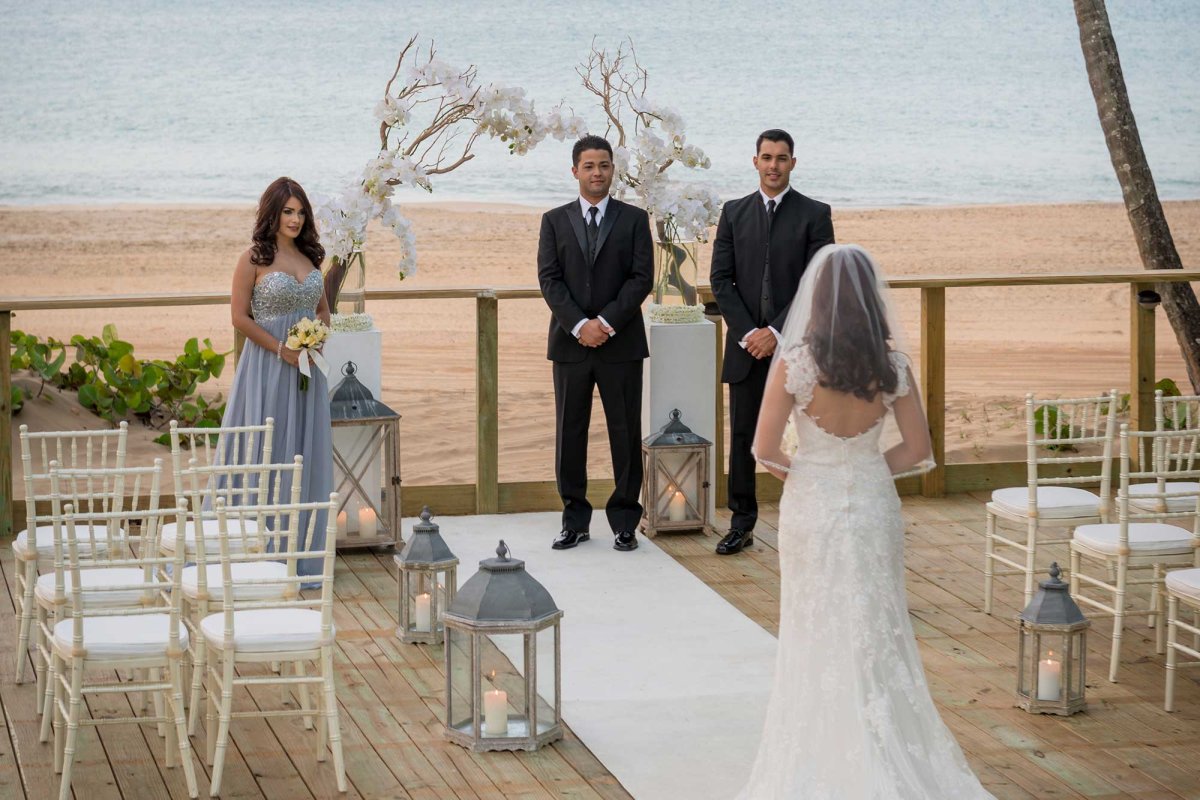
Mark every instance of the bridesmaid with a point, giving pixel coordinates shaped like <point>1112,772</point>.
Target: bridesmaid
<point>276,283</point>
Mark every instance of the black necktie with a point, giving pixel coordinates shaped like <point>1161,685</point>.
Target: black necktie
<point>593,233</point>
<point>766,304</point>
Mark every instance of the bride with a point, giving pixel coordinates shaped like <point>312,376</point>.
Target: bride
<point>850,716</point>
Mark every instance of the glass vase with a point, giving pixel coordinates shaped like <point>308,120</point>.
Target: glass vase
<point>346,284</point>
<point>676,270</point>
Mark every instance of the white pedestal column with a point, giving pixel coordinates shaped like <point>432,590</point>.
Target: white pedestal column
<point>365,349</point>
<point>680,373</point>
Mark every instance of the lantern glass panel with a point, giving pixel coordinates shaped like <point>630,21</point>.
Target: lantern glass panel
<point>679,475</point>
<point>1050,678</point>
<point>546,684</point>
<point>460,711</point>
<point>504,667</point>
<point>1077,665</point>
<point>421,585</point>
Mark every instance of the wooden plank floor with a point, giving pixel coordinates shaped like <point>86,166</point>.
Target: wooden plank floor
<point>391,697</point>
<point>1124,746</point>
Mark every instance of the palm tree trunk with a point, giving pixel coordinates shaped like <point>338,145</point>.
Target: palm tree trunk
<point>1150,229</point>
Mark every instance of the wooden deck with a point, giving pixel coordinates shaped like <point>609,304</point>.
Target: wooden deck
<point>391,694</point>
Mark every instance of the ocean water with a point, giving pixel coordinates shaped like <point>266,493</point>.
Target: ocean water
<point>891,103</point>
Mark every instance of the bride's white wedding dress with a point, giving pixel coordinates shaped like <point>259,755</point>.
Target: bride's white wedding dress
<point>850,716</point>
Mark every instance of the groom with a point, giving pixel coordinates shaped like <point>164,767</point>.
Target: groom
<point>764,241</point>
<point>595,269</point>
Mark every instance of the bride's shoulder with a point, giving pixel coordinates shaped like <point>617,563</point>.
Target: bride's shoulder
<point>801,369</point>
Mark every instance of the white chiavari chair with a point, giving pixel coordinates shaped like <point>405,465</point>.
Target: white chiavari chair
<point>33,548</point>
<point>1142,540</point>
<point>292,629</point>
<point>1183,594</point>
<point>1050,500</point>
<point>202,579</point>
<point>138,632</point>
<point>91,492</point>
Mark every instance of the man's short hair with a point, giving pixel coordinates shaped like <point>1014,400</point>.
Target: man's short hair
<point>589,142</point>
<point>775,135</point>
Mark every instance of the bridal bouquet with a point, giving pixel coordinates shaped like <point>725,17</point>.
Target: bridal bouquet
<point>308,336</point>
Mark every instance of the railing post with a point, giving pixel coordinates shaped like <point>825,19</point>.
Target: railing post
<point>933,383</point>
<point>239,341</point>
<point>487,403</point>
<point>6,409</point>
<point>1141,360</point>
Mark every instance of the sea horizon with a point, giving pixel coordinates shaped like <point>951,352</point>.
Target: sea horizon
<point>964,104</point>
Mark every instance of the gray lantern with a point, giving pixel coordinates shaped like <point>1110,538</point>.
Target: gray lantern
<point>503,660</point>
<point>427,582</point>
<point>675,479</point>
<point>1052,652</point>
<point>369,514</point>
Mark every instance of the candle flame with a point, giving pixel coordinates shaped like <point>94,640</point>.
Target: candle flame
<point>493,675</point>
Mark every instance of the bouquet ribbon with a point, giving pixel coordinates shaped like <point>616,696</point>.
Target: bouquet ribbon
<point>317,359</point>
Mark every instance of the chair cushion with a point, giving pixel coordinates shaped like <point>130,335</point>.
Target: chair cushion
<point>253,570</point>
<point>1144,538</point>
<point>212,529</point>
<point>44,537</point>
<point>1185,582</point>
<point>1186,503</point>
<point>121,637</point>
<point>102,576</point>
<point>1053,502</point>
<point>266,630</point>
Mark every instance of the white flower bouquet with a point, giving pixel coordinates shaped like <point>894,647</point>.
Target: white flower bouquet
<point>308,336</point>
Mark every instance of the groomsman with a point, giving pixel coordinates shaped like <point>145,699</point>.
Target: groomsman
<point>595,269</point>
<point>764,241</point>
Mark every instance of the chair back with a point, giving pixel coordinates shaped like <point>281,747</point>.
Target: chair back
<point>76,450</point>
<point>157,592</point>
<point>1147,448</point>
<point>95,495</point>
<point>1066,426</point>
<point>233,600</point>
<point>273,531</point>
<point>1178,413</point>
<point>241,444</point>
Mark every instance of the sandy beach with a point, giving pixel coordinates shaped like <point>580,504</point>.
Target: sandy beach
<point>1001,342</point>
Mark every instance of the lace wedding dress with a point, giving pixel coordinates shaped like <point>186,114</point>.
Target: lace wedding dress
<point>850,716</point>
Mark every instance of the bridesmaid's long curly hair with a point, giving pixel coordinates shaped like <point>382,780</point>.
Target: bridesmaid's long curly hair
<point>266,224</point>
<point>848,332</point>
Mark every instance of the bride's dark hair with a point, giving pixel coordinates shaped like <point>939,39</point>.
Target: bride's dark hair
<point>848,332</point>
<point>266,224</point>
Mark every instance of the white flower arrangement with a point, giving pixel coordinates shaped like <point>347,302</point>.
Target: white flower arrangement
<point>683,212</point>
<point>674,314</point>
<point>351,323</point>
<point>456,110</point>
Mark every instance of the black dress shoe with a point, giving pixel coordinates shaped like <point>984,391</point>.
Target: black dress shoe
<point>734,541</point>
<point>625,541</point>
<point>568,539</point>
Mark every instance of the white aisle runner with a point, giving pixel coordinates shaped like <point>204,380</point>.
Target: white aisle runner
<point>663,680</point>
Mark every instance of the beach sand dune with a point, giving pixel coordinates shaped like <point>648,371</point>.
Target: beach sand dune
<point>1001,342</point>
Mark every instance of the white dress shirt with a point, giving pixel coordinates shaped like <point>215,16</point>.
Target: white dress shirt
<point>766,198</point>
<point>600,207</point>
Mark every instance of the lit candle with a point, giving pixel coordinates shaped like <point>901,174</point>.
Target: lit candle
<point>423,612</point>
<point>677,510</point>
<point>495,712</point>
<point>341,522</point>
<point>367,522</point>
<point>1049,678</point>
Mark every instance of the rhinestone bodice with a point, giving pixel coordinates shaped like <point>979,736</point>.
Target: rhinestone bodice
<point>278,294</point>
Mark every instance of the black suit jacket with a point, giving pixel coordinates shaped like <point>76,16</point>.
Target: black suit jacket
<point>613,287</point>
<point>802,226</point>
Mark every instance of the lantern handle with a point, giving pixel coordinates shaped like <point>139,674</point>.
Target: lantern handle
<point>502,551</point>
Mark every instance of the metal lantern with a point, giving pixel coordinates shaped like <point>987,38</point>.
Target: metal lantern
<point>1052,653</point>
<point>369,514</point>
<point>428,580</point>
<point>503,660</point>
<point>675,475</point>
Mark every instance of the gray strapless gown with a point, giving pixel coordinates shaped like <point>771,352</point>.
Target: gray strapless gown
<point>265,386</point>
